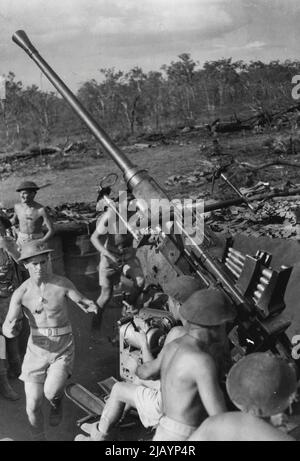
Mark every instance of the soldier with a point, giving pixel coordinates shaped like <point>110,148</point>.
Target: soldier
<point>260,385</point>
<point>179,290</point>
<point>30,216</point>
<point>49,357</point>
<point>10,360</point>
<point>145,396</point>
<point>189,366</point>
<point>117,255</point>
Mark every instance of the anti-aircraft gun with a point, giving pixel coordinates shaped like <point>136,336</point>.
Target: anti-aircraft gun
<point>256,291</point>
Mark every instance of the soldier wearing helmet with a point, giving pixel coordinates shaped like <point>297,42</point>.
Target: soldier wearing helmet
<point>48,362</point>
<point>188,369</point>
<point>261,385</point>
<point>145,396</point>
<point>30,216</point>
<point>179,289</point>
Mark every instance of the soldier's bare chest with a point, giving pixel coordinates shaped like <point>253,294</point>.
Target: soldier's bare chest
<point>44,298</point>
<point>29,214</point>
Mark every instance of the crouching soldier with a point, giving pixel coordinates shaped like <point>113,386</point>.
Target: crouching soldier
<point>145,395</point>
<point>189,367</point>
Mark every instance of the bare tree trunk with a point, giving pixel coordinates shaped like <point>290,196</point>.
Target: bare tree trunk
<point>125,107</point>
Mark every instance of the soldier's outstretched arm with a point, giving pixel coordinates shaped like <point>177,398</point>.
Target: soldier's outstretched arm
<point>10,327</point>
<point>209,389</point>
<point>85,304</point>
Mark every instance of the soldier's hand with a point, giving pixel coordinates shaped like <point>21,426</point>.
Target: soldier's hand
<point>115,260</point>
<point>92,307</point>
<point>12,328</point>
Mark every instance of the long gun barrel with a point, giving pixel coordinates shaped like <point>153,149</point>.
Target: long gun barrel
<point>138,181</point>
<point>145,188</point>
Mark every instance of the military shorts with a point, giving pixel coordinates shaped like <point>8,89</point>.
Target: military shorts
<point>149,405</point>
<point>47,353</point>
<point>171,430</point>
<point>24,238</point>
<point>129,265</point>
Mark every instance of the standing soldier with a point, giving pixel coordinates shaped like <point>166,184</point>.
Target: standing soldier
<point>117,255</point>
<point>30,216</point>
<point>49,357</point>
<point>8,283</point>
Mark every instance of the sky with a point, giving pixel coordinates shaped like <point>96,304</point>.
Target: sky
<point>79,37</point>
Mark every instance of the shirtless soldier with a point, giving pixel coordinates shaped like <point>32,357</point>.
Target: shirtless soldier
<point>260,385</point>
<point>49,356</point>
<point>188,367</point>
<point>143,395</point>
<point>117,256</point>
<point>30,216</point>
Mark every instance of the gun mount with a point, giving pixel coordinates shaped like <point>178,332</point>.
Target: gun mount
<point>156,324</point>
<point>256,318</point>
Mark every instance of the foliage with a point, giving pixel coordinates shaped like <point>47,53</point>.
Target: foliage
<point>180,94</point>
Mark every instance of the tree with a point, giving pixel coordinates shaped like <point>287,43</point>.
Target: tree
<point>181,76</point>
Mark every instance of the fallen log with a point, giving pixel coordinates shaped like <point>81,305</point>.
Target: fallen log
<point>34,152</point>
<point>271,163</point>
<point>237,201</point>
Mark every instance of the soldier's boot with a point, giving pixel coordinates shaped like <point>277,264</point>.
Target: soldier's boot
<point>95,434</point>
<point>5,388</point>
<point>56,411</point>
<point>83,438</point>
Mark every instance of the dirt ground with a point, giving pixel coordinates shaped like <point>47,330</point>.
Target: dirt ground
<point>76,179</point>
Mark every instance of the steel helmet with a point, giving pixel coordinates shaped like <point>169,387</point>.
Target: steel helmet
<point>180,288</point>
<point>27,185</point>
<point>33,248</point>
<point>207,307</point>
<point>262,384</point>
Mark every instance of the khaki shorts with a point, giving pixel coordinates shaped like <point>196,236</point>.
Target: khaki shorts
<point>129,266</point>
<point>46,353</point>
<point>149,405</point>
<point>171,430</point>
<point>24,238</point>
